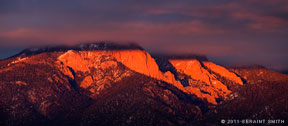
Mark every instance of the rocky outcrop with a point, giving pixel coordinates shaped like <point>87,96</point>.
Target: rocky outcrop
<point>137,60</point>
<point>97,63</point>
<point>223,72</point>
<point>202,81</point>
<point>201,78</point>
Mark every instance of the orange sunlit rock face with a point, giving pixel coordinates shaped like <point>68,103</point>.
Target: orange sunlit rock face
<point>105,60</point>
<point>223,72</point>
<point>137,60</point>
<point>202,82</point>
<point>87,81</point>
<point>192,68</point>
<point>204,78</point>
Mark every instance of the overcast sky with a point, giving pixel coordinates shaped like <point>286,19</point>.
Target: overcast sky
<point>227,31</point>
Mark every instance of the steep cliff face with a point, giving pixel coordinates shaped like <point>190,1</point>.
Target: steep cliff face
<point>202,81</point>
<point>136,60</point>
<point>223,72</point>
<point>94,70</point>
<point>200,76</point>
<point>100,62</point>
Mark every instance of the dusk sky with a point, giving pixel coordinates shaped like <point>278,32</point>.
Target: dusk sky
<point>227,31</point>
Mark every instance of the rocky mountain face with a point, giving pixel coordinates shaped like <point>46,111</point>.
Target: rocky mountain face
<point>110,84</point>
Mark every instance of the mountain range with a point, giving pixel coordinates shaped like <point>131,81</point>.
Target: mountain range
<point>113,84</point>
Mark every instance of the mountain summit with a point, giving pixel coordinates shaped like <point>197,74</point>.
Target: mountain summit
<point>81,47</point>
<point>110,84</point>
